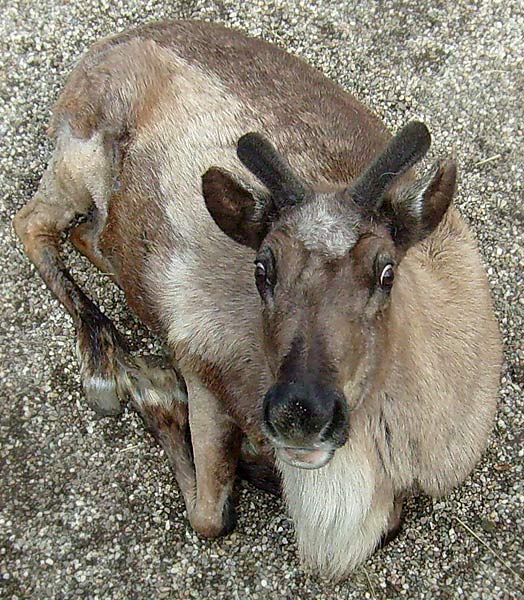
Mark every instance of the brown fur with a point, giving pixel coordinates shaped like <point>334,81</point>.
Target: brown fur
<point>143,116</point>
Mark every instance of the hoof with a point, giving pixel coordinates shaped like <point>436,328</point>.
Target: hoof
<point>102,396</point>
<point>213,527</point>
<point>229,517</point>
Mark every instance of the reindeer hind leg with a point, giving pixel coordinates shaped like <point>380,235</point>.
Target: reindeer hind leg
<point>75,177</point>
<point>84,238</point>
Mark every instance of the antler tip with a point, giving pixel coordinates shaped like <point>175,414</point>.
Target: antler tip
<point>417,133</point>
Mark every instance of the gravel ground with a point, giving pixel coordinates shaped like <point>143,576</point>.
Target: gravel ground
<point>89,508</point>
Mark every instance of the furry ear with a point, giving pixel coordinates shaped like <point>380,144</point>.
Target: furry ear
<point>415,211</point>
<point>237,212</point>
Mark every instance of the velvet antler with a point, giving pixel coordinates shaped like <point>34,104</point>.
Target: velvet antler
<point>405,149</point>
<point>264,161</point>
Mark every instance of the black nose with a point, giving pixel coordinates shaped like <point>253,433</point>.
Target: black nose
<point>303,413</point>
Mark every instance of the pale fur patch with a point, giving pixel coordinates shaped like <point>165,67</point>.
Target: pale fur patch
<point>321,227</point>
<point>338,516</point>
<point>102,394</point>
<point>197,126</point>
<point>152,396</point>
<point>153,386</point>
<point>100,384</point>
<point>84,163</point>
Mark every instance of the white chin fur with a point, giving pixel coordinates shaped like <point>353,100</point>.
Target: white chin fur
<point>338,520</point>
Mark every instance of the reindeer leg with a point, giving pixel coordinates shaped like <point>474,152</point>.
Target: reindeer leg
<point>216,447</point>
<point>159,395</point>
<point>201,443</point>
<point>84,237</point>
<point>258,469</point>
<point>60,199</point>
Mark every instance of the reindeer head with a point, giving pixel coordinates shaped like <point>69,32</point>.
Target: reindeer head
<point>325,268</point>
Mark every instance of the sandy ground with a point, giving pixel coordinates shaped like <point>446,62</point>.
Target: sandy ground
<point>89,508</point>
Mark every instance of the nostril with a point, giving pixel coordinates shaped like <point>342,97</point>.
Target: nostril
<point>298,410</point>
<point>302,414</point>
<point>336,429</point>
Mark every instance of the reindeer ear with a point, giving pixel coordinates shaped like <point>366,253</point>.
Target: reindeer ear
<point>415,210</point>
<point>239,214</point>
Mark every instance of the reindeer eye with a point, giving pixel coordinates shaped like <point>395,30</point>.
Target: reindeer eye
<point>262,278</point>
<point>265,272</point>
<point>260,270</point>
<point>387,276</point>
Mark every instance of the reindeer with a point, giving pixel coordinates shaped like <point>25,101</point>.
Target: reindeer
<point>359,362</point>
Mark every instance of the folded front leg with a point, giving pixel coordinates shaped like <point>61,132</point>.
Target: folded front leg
<point>216,447</point>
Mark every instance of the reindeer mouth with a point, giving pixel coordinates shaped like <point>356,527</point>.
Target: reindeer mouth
<point>305,458</point>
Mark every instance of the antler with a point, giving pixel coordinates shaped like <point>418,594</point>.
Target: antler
<point>264,161</point>
<point>406,148</point>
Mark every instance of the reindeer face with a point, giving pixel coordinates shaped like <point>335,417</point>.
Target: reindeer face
<point>325,268</point>
<point>324,294</point>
